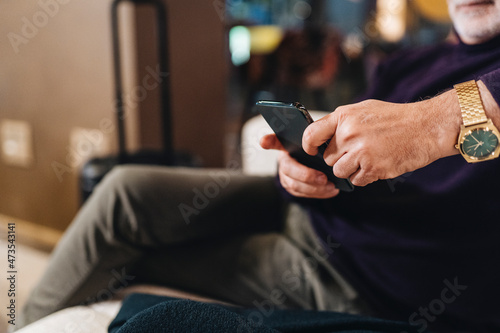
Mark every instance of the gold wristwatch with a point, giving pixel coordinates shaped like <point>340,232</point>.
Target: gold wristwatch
<point>479,139</point>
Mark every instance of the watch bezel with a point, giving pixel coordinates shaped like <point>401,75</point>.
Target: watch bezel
<point>466,131</point>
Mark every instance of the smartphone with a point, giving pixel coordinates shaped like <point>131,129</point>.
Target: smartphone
<point>289,121</point>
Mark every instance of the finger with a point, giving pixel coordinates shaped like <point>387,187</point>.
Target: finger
<point>271,141</point>
<point>346,166</point>
<point>360,178</point>
<point>304,190</point>
<point>302,181</point>
<point>332,153</point>
<point>318,133</point>
<point>299,172</point>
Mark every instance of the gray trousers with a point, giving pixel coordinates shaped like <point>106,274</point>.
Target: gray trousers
<point>214,232</point>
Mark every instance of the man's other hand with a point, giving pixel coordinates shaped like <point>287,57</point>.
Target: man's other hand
<point>296,178</point>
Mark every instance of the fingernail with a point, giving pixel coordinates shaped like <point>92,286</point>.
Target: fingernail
<point>321,179</point>
<point>330,187</point>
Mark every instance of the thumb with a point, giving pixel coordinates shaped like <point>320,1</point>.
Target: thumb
<point>271,141</point>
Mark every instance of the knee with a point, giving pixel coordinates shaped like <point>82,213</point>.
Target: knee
<point>119,182</point>
<point>121,177</point>
<point>115,201</point>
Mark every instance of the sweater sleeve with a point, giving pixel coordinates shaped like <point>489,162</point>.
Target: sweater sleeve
<point>492,82</point>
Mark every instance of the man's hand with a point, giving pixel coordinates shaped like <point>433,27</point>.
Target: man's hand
<point>296,178</point>
<point>375,140</point>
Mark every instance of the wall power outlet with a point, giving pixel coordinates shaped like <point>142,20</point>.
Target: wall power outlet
<point>16,143</point>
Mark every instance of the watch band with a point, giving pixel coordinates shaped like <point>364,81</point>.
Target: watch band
<point>470,103</point>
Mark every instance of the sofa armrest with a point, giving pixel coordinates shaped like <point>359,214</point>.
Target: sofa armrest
<point>255,160</point>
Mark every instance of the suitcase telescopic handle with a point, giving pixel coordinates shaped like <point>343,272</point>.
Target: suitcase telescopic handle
<point>165,108</point>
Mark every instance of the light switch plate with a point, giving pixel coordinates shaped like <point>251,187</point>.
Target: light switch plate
<point>16,143</point>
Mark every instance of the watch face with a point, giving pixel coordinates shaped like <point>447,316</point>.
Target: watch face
<point>480,143</point>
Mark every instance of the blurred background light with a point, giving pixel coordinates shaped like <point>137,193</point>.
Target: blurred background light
<point>391,19</point>
<point>435,10</point>
<point>239,45</point>
<point>302,10</point>
<point>264,39</point>
<point>260,39</point>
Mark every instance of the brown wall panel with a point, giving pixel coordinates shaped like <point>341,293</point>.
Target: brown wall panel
<point>198,78</point>
<point>60,77</point>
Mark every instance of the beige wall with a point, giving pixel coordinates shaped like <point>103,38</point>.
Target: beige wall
<point>60,78</point>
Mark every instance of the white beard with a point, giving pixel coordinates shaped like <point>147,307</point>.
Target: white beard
<point>479,25</point>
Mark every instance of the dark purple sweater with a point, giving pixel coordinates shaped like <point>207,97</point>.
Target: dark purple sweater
<point>425,247</point>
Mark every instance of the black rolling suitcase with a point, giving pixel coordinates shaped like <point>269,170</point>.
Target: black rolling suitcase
<point>95,169</point>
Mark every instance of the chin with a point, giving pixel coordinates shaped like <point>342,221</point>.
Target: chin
<point>475,29</point>
<point>476,21</point>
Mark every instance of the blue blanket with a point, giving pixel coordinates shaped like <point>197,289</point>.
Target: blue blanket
<point>149,313</point>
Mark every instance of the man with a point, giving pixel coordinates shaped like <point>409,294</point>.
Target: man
<point>420,247</point>
<point>401,249</point>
